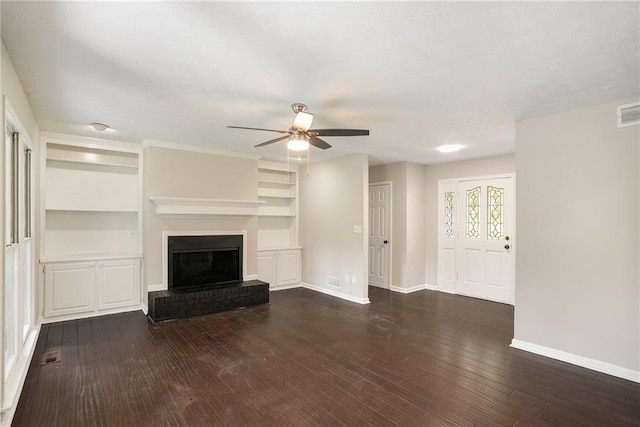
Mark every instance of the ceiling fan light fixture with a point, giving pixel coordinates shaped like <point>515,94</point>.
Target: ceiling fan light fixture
<point>297,142</point>
<point>303,121</point>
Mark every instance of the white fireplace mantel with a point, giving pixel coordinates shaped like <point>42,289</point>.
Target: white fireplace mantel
<point>172,207</point>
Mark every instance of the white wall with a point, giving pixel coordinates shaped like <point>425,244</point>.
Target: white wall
<point>332,200</point>
<point>188,174</point>
<point>433,173</point>
<point>578,197</point>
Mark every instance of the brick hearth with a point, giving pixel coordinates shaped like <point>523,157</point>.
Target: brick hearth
<point>165,305</point>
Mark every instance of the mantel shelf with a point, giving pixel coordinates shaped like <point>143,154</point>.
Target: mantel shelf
<point>191,207</point>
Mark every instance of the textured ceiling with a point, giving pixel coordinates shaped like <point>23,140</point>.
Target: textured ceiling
<point>417,74</point>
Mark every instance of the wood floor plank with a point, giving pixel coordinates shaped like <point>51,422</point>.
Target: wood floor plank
<point>308,359</point>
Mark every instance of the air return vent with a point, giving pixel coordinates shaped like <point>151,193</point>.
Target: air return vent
<point>629,114</point>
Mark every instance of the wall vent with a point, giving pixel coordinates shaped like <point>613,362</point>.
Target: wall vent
<point>333,281</point>
<point>629,114</point>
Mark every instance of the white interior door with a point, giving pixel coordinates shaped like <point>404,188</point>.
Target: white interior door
<point>379,234</point>
<point>485,225</point>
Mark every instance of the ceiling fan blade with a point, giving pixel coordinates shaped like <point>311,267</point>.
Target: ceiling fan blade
<point>268,130</point>
<point>317,142</point>
<point>338,132</point>
<point>271,141</point>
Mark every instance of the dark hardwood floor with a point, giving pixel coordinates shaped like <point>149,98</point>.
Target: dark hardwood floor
<point>425,358</point>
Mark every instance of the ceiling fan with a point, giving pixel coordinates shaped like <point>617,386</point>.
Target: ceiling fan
<point>300,135</point>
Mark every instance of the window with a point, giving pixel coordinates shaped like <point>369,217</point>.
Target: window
<point>473,213</point>
<point>448,214</point>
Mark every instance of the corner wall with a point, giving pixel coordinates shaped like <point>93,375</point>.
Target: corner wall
<point>333,199</point>
<point>578,204</point>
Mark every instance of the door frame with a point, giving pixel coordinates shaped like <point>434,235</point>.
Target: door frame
<point>454,182</point>
<point>390,210</point>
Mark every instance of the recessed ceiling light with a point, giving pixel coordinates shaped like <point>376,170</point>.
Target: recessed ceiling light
<point>100,127</point>
<point>450,148</point>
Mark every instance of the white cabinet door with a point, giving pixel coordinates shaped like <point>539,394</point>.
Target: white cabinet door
<point>69,288</point>
<point>267,268</point>
<point>118,283</point>
<point>288,267</point>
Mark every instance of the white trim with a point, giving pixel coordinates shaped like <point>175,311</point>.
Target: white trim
<point>335,293</point>
<point>172,207</point>
<point>165,254</point>
<point>88,314</point>
<point>408,290</point>
<point>250,277</point>
<point>197,149</point>
<point>156,287</point>
<point>585,362</point>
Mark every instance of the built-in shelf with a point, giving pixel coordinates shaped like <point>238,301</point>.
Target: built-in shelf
<point>91,225</point>
<point>115,211</point>
<point>91,156</point>
<point>192,207</point>
<point>283,183</point>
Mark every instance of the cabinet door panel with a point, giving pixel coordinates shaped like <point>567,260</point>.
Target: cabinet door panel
<point>288,267</point>
<point>69,289</point>
<point>118,284</point>
<point>266,268</point>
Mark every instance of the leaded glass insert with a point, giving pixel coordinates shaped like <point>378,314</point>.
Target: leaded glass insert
<point>473,213</point>
<point>495,208</point>
<point>448,215</point>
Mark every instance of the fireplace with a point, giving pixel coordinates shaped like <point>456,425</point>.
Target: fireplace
<point>210,261</point>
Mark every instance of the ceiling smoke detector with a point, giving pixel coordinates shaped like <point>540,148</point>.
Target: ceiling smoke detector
<point>100,127</point>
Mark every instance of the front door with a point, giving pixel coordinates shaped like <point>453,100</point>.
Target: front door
<point>485,226</point>
<point>379,234</point>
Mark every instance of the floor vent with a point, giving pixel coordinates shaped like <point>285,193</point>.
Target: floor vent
<point>629,114</point>
<point>50,357</point>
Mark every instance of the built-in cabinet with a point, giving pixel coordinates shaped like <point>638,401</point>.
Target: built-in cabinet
<point>279,255</point>
<point>91,221</point>
<point>280,267</point>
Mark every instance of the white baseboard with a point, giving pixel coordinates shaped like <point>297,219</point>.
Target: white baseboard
<point>335,293</point>
<point>250,277</point>
<point>409,289</point>
<point>282,288</point>
<point>585,362</point>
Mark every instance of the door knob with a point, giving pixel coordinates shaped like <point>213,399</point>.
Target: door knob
<point>385,242</point>
<point>507,246</point>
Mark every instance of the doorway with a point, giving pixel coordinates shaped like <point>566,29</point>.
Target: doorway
<point>380,234</point>
<point>476,226</point>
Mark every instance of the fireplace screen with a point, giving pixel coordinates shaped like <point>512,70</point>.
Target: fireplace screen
<point>199,261</point>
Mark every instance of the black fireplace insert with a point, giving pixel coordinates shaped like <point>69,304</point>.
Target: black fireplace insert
<point>204,261</point>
